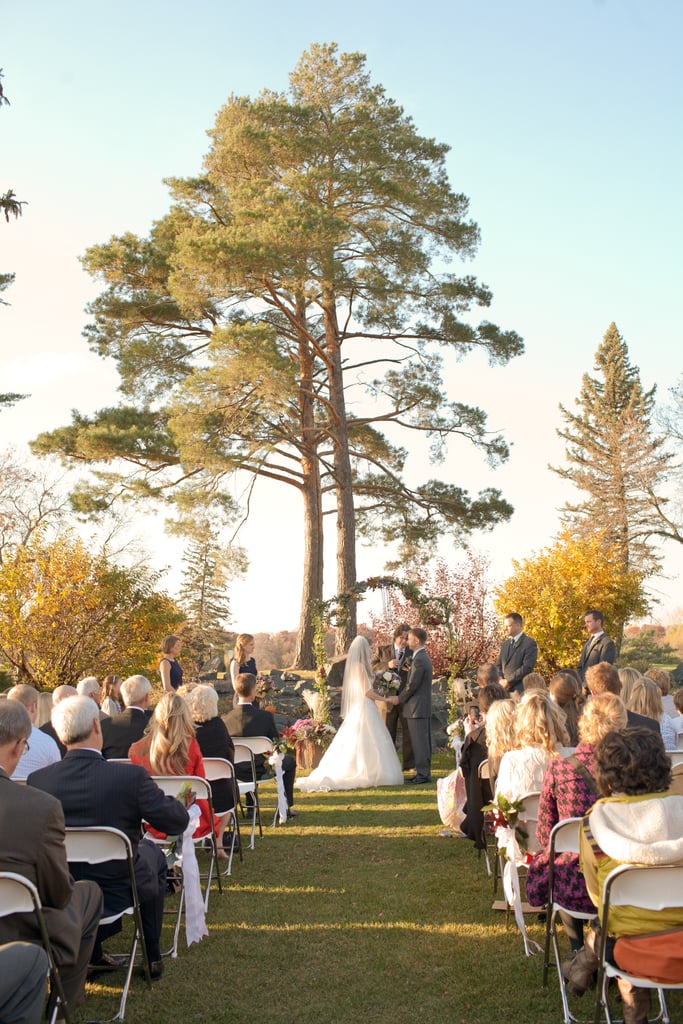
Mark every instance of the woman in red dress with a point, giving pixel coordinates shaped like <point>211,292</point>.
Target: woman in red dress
<point>169,747</point>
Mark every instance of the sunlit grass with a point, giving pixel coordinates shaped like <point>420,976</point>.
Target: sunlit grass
<point>356,911</point>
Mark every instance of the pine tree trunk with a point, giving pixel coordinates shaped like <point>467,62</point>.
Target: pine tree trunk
<point>312,589</point>
<point>346,523</point>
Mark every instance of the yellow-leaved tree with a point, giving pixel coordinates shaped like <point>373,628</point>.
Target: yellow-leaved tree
<point>66,612</point>
<point>552,589</point>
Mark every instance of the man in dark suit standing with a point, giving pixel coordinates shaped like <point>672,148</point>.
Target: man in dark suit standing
<point>121,731</point>
<point>598,647</point>
<point>247,719</point>
<point>415,698</point>
<point>32,845</point>
<point>93,791</point>
<point>517,656</point>
<point>397,657</point>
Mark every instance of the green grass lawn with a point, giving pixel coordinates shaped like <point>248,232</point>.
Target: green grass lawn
<point>357,910</point>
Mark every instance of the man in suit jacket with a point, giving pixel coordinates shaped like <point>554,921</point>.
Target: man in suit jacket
<point>247,719</point>
<point>120,732</point>
<point>415,698</point>
<point>397,657</point>
<point>93,791</point>
<point>32,845</point>
<point>598,647</point>
<point>517,656</point>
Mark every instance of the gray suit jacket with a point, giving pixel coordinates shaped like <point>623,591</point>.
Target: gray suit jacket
<point>516,662</point>
<point>416,693</point>
<point>593,653</point>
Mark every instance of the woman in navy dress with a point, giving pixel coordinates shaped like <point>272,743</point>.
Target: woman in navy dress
<point>170,671</point>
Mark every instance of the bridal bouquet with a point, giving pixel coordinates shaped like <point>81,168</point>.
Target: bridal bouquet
<point>387,682</point>
<point>264,684</point>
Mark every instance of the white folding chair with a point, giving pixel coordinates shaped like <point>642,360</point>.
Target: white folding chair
<point>219,769</point>
<point>18,895</point>
<point>260,745</point>
<point>487,837</point>
<point>676,757</point>
<point>564,838</point>
<point>248,787</point>
<point>101,845</point>
<point>646,888</point>
<point>172,786</point>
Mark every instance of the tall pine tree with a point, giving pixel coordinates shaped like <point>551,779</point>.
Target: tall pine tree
<point>615,458</point>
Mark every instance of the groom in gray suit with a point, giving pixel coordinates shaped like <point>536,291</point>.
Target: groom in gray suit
<point>415,698</point>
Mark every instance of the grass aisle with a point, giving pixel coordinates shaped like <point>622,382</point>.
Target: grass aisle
<point>356,911</point>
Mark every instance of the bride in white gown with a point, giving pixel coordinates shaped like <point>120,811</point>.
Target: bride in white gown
<point>362,754</point>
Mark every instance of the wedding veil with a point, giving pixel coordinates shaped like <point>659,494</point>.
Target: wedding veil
<point>358,675</point>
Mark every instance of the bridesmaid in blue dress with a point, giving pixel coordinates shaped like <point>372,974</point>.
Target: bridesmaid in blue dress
<point>169,669</point>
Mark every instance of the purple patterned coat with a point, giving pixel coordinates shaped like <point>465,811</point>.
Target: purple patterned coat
<point>565,794</point>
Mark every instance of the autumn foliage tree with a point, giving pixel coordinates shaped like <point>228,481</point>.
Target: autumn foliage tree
<point>553,588</point>
<point>66,612</point>
<point>473,635</point>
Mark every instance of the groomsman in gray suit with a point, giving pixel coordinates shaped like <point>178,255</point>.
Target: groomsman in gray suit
<point>598,647</point>
<point>415,698</point>
<point>517,656</point>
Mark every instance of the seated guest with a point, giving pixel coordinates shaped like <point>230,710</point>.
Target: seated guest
<point>32,845</point>
<point>90,687</point>
<point>677,722</point>
<point>602,678</point>
<point>500,734</point>
<point>629,676</point>
<point>40,750</point>
<point>93,791</point>
<point>565,690</point>
<point>646,699</point>
<point>474,751</point>
<point>44,708</point>
<point>111,691</point>
<point>119,732</point>
<point>569,791</point>
<point>23,983</point>
<point>663,680</point>
<point>169,747</point>
<point>213,738</point>
<point>534,681</point>
<point>59,693</point>
<point>246,719</point>
<point>638,821</point>
<point>539,734</point>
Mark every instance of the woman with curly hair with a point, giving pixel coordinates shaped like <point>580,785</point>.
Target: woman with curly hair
<point>169,747</point>
<point>213,739</point>
<point>540,732</point>
<point>638,821</point>
<point>569,790</point>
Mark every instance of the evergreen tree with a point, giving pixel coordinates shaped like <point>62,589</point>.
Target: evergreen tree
<point>615,457</point>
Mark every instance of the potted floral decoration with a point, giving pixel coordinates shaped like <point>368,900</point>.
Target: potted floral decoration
<point>310,738</point>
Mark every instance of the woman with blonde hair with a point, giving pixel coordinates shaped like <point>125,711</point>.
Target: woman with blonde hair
<point>500,734</point>
<point>540,732</point>
<point>663,680</point>
<point>169,747</point>
<point>565,690</point>
<point>44,708</point>
<point>629,677</point>
<point>569,791</point>
<point>646,699</point>
<point>243,657</point>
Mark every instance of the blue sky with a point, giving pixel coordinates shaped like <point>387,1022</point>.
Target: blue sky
<point>564,127</point>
